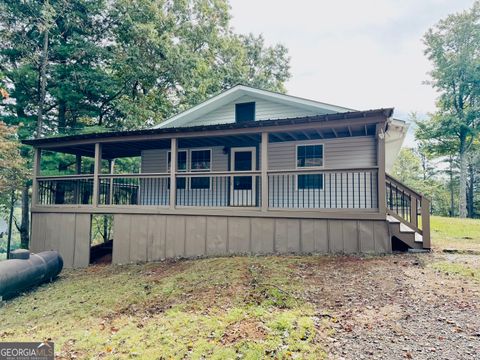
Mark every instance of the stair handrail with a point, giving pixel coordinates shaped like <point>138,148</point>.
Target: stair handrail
<point>416,200</point>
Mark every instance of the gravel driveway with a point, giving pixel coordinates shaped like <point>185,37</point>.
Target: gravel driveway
<point>397,307</point>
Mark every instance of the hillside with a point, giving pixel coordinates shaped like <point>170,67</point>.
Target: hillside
<point>254,307</point>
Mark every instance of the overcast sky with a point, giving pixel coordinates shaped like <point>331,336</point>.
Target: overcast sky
<point>360,54</point>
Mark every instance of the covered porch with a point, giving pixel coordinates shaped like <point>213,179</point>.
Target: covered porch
<point>320,165</point>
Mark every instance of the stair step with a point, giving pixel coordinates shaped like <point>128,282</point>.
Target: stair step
<point>392,220</point>
<point>418,238</point>
<point>405,229</point>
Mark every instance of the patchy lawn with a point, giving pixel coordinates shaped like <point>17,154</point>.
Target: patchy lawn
<point>316,307</point>
<point>461,234</point>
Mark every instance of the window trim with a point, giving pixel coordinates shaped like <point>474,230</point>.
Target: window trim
<point>254,111</point>
<point>310,144</point>
<point>189,167</point>
<point>310,167</point>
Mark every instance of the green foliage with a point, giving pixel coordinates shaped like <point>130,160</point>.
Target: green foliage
<point>414,168</point>
<point>452,47</point>
<point>126,64</point>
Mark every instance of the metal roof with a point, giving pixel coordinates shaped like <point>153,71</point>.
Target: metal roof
<point>385,112</point>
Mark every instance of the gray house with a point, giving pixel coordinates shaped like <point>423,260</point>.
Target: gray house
<point>255,172</point>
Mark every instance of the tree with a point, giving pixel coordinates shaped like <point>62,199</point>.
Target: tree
<point>90,65</point>
<point>409,169</point>
<point>452,47</point>
<point>12,173</point>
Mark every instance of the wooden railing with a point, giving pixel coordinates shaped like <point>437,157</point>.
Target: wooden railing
<point>409,207</point>
<point>65,190</point>
<point>337,189</point>
<point>324,189</point>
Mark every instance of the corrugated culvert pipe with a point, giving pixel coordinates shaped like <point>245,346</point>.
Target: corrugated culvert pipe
<point>17,275</point>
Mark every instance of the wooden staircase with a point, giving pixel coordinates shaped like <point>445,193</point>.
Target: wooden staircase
<point>408,215</point>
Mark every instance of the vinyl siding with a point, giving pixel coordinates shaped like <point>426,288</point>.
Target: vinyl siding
<point>352,152</point>
<point>264,110</point>
<point>341,189</point>
<point>156,192</point>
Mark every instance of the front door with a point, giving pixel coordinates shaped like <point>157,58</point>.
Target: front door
<point>242,188</point>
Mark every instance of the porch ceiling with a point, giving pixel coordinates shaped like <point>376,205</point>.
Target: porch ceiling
<point>112,150</point>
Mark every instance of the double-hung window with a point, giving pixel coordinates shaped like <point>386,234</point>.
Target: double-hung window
<point>310,156</point>
<point>181,167</point>
<point>200,160</point>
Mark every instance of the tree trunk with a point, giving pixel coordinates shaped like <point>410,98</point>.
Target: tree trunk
<point>43,82</point>
<point>470,193</point>
<point>462,198</point>
<point>62,116</point>
<point>25,223</point>
<point>452,197</point>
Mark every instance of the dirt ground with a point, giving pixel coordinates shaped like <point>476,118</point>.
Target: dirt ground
<point>398,307</point>
<point>407,306</point>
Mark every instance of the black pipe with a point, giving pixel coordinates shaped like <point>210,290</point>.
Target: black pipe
<point>18,275</point>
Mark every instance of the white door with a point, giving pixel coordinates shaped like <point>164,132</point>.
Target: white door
<point>242,188</point>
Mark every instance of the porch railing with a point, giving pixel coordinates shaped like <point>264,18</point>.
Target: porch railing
<point>324,189</point>
<point>219,189</point>
<point>65,190</point>
<point>286,189</point>
<point>134,189</point>
<point>409,207</point>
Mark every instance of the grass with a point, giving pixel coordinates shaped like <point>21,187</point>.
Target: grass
<point>461,234</point>
<point>212,308</point>
<point>458,268</point>
<point>237,307</point>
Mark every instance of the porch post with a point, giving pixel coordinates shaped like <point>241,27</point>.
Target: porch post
<point>96,172</point>
<point>380,135</point>
<point>264,164</point>
<point>37,154</point>
<point>173,171</point>
<point>78,171</point>
<point>78,164</point>
<point>111,170</point>
<point>426,222</point>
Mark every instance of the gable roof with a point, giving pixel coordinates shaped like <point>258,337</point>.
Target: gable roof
<point>237,92</point>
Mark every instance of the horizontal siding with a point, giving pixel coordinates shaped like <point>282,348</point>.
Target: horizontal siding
<point>350,152</point>
<point>264,110</point>
<point>156,160</point>
<point>156,192</point>
<point>340,190</point>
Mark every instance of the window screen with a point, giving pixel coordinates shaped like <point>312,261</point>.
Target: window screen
<point>245,112</point>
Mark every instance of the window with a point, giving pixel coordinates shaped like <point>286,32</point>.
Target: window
<point>181,160</point>
<point>310,181</point>
<point>181,167</point>
<point>200,160</point>
<point>310,156</point>
<point>245,112</point>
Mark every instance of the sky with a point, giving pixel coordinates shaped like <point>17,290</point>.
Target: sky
<point>359,54</point>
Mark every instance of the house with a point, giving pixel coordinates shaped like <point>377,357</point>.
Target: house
<point>256,172</point>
